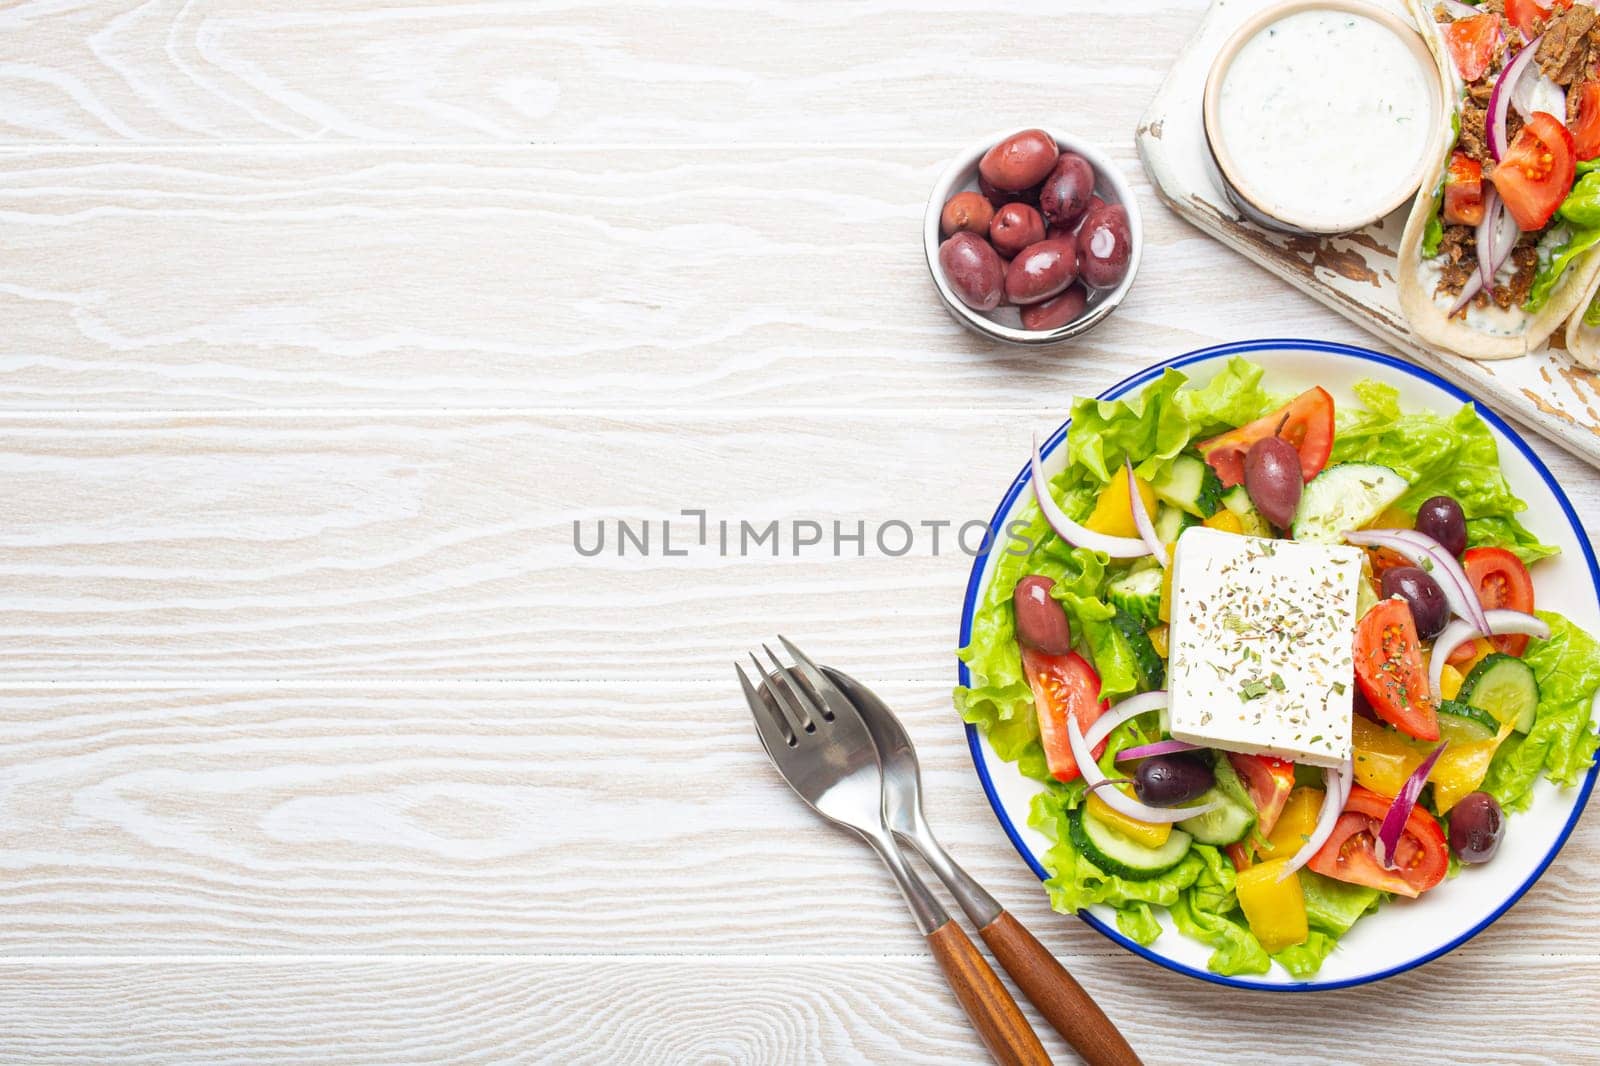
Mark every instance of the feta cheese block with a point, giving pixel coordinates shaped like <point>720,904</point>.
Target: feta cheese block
<point>1262,634</point>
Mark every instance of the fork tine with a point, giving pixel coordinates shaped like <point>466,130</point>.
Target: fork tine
<point>770,723</point>
<point>797,702</point>
<point>824,691</point>
<point>782,696</point>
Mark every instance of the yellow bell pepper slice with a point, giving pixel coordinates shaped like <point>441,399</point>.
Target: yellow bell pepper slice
<point>1159,639</point>
<point>1392,518</point>
<point>1164,611</point>
<point>1295,825</point>
<point>1481,650</point>
<point>1226,521</point>
<point>1276,910</point>
<point>1384,759</point>
<point>1113,513</point>
<point>1450,681</point>
<point>1149,834</point>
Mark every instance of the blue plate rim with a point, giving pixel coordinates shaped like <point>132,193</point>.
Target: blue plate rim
<point>1121,388</point>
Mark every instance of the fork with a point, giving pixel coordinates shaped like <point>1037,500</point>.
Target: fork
<point>1042,978</point>
<point>820,746</point>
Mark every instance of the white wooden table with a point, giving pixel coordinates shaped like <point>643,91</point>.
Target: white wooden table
<point>323,322</point>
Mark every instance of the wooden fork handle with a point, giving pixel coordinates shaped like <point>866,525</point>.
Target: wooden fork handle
<point>1059,997</point>
<point>995,1015</point>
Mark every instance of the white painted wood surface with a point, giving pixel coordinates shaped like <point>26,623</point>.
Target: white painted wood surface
<point>322,324</point>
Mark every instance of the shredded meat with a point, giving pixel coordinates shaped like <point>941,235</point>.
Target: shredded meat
<point>1525,263</point>
<point>1568,43</point>
<point>1473,130</point>
<point>1457,250</point>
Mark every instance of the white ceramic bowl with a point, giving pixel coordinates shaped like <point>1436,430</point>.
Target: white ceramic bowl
<point>1404,933</point>
<point>1258,204</point>
<point>1004,323</point>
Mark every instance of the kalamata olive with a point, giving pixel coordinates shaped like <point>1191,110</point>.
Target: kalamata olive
<point>1015,226</point>
<point>1105,245</point>
<point>1056,311</point>
<point>1058,229</point>
<point>1020,161</point>
<point>969,211</point>
<point>1416,586</point>
<point>1272,478</point>
<point>1170,780</point>
<point>1440,517</point>
<point>1041,621</point>
<point>1066,193</point>
<point>972,267</point>
<point>1000,197</point>
<point>1477,826</point>
<point>1041,270</point>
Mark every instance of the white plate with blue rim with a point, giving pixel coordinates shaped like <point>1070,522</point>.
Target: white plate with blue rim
<point>1405,933</point>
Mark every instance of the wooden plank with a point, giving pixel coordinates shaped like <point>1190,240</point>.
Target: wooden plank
<point>774,1010</point>
<point>298,547</point>
<point>489,818</point>
<point>520,277</point>
<point>581,71</point>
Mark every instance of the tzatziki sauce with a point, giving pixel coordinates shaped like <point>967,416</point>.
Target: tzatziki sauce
<point>1326,116</point>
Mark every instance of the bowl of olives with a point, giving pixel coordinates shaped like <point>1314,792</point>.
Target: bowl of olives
<point>1032,237</point>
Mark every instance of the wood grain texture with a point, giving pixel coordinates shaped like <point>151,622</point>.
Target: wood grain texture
<point>985,999</point>
<point>302,547</point>
<point>585,71</point>
<point>488,818</point>
<point>599,280</point>
<point>721,1011</point>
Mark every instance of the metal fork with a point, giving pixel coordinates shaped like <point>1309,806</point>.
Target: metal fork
<point>820,746</point>
<point>1042,978</point>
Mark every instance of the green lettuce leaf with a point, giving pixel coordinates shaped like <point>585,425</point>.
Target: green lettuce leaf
<point>1304,960</point>
<point>1591,317</point>
<point>1230,399</point>
<point>1149,425</point>
<point>1562,742</point>
<point>1554,265</point>
<point>1206,913</point>
<point>1455,455</point>
<point>1582,205</point>
<point>1333,906</point>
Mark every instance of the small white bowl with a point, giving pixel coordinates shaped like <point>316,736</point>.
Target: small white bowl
<point>1257,204</point>
<point>1004,323</point>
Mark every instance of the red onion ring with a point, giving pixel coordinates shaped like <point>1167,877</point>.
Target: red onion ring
<point>1441,565</point>
<point>1160,747</point>
<point>1500,97</point>
<point>1132,707</point>
<point>1118,800</point>
<point>1487,236</point>
<point>1336,785</point>
<point>1070,531</point>
<point>1141,517</point>
<point>1394,820</point>
<point>1468,291</point>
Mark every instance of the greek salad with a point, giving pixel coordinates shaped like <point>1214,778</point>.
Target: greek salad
<point>1275,664</point>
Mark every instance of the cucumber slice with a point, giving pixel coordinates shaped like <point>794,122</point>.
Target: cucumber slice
<point>1170,522</point>
<point>1151,666</point>
<point>1138,594</point>
<point>1235,816</point>
<point>1237,500</point>
<point>1345,497</point>
<point>1465,723</point>
<point>1504,686</point>
<point>1190,485</point>
<point>1118,856</point>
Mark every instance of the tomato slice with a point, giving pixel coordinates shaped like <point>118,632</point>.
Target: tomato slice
<point>1471,42</point>
<point>1348,855</point>
<point>1305,422</point>
<point>1586,127</point>
<point>1463,191</point>
<point>1269,781</point>
<point>1537,171</point>
<point>1523,13</point>
<point>1063,685</point>
<point>1390,672</point>
<point>1501,581</point>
